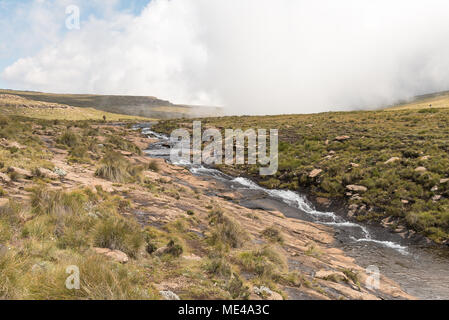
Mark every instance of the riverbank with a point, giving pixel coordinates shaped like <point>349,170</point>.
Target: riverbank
<point>387,166</point>
<point>179,235</point>
<point>408,260</point>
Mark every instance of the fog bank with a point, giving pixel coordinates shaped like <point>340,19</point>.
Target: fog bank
<point>252,56</point>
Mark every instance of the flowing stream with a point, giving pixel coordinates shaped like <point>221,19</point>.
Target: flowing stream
<point>422,271</point>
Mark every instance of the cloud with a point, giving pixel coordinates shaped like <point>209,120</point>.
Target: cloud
<point>252,56</point>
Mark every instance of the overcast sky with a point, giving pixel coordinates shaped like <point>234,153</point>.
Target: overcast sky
<point>251,56</point>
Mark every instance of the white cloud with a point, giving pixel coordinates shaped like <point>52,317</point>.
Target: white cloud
<point>254,56</point>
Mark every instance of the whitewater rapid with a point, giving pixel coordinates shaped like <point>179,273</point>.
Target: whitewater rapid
<point>290,198</point>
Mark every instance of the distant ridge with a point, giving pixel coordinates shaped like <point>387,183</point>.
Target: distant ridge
<point>434,100</point>
<point>143,106</point>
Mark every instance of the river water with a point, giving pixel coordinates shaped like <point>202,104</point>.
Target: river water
<point>422,271</point>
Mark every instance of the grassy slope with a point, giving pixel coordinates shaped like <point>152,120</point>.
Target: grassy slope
<point>18,106</point>
<point>437,100</point>
<point>143,106</point>
<point>49,229</point>
<point>395,190</point>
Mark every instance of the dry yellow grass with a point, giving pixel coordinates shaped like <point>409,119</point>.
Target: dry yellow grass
<point>436,100</point>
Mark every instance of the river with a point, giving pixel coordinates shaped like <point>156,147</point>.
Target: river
<point>421,271</point>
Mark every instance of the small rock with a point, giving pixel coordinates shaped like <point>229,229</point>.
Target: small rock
<point>356,188</point>
<point>115,255</point>
<point>443,181</point>
<point>405,201</point>
<point>354,165</point>
<point>161,251</point>
<point>323,201</point>
<point>126,153</point>
<point>420,169</point>
<point>356,197</point>
<point>60,172</point>
<point>327,274</point>
<point>391,160</point>
<point>267,293</point>
<point>4,178</point>
<point>436,198</point>
<point>326,142</point>
<point>424,158</point>
<point>434,189</point>
<point>39,267</point>
<point>192,257</point>
<point>342,138</point>
<point>314,173</point>
<point>169,295</point>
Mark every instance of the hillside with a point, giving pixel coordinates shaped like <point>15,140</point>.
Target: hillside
<point>387,166</point>
<point>83,194</point>
<point>19,106</point>
<point>149,107</point>
<point>432,100</point>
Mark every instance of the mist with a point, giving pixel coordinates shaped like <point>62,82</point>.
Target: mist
<point>252,56</point>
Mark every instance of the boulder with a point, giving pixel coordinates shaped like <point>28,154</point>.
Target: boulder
<point>169,295</point>
<point>434,189</point>
<point>116,255</point>
<point>436,198</point>
<point>356,188</point>
<point>443,181</point>
<point>355,165</point>
<point>23,172</point>
<point>392,160</point>
<point>421,169</point>
<point>315,173</point>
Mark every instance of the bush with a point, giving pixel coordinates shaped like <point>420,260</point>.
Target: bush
<point>219,267</point>
<point>273,234</point>
<point>226,231</point>
<point>153,166</point>
<point>117,169</point>
<point>68,139</point>
<point>266,262</point>
<point>116,233</point>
